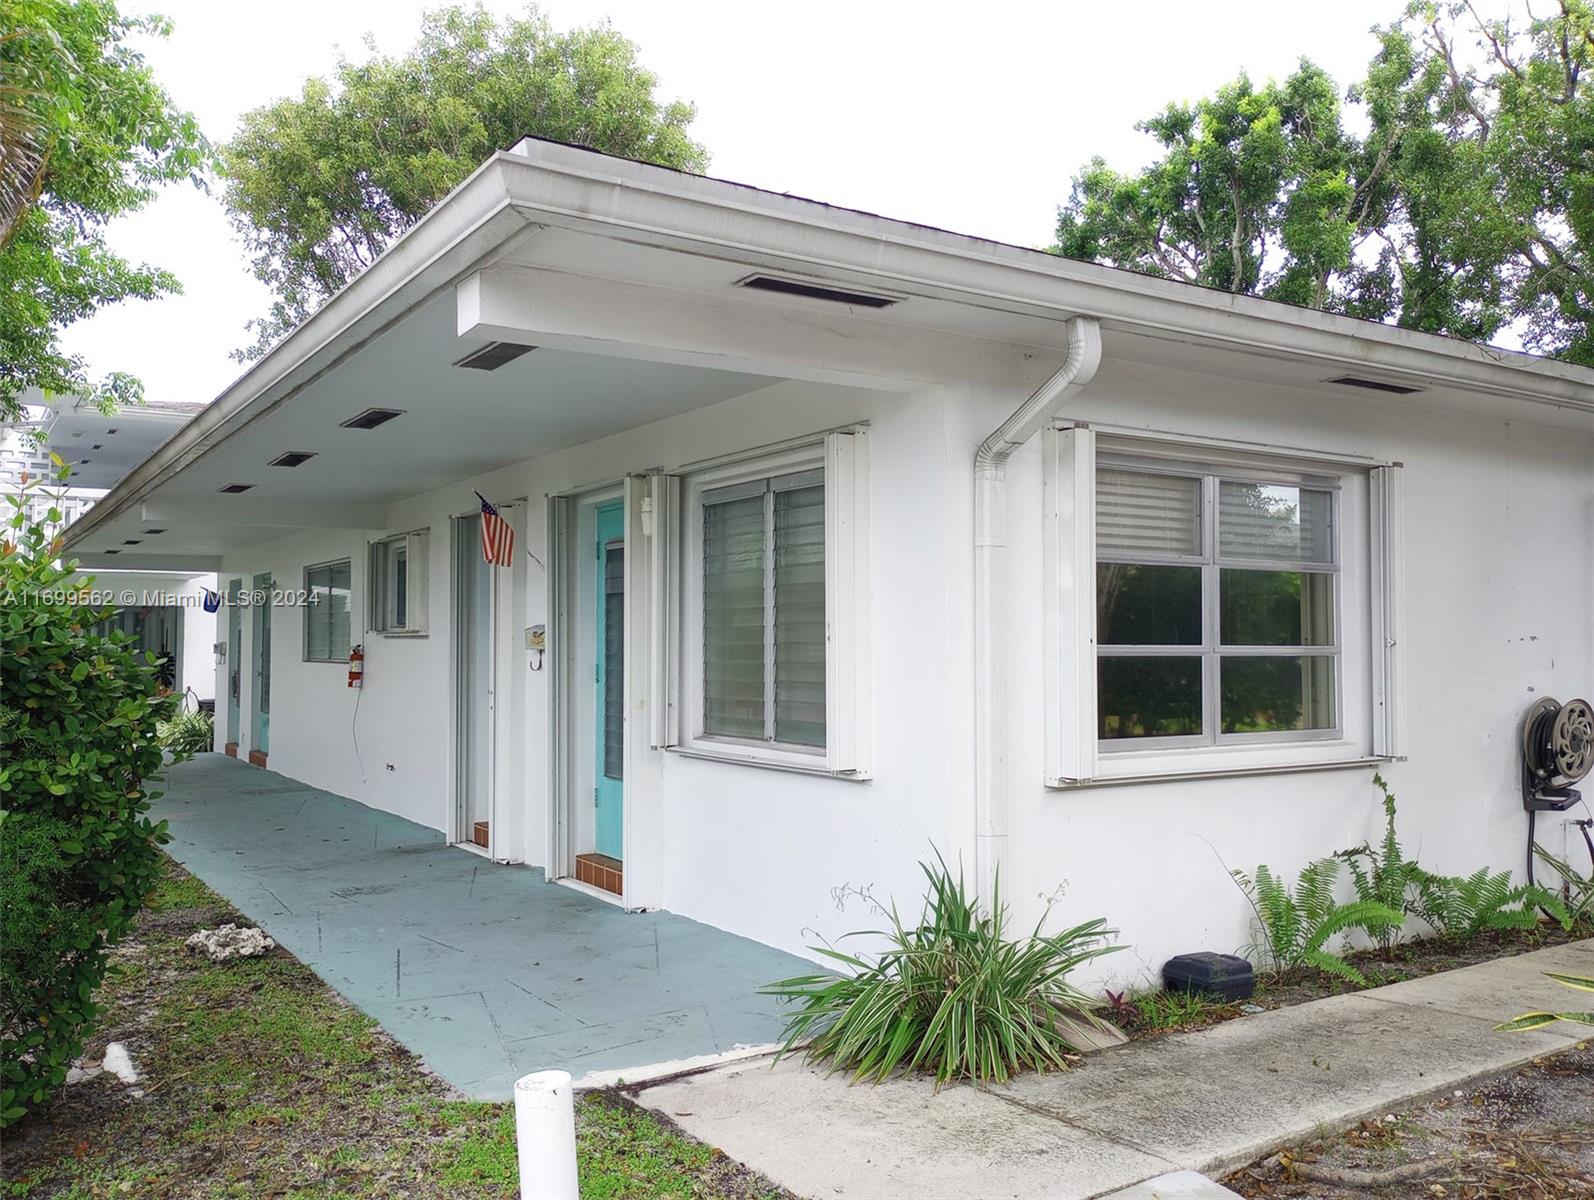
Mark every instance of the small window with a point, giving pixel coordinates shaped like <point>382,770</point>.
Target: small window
<point>398,584</point>
<point>764,611</point>
<point>775,609</point>
<point>1216,604</point>
<point>326,614</point>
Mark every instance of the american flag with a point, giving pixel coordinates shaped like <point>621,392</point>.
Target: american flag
<point>498,539</point>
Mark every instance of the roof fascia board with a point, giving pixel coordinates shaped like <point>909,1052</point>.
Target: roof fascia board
<point>654,206</point>
<point>468,229</point>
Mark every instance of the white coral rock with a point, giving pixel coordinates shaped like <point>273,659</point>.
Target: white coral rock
<point>230,941</point>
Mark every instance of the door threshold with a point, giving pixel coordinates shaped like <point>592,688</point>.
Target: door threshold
<point>575,885</point>
<point>479,851</point>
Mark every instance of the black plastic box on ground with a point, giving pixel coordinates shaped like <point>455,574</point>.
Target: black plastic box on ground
<point>1221,975</point>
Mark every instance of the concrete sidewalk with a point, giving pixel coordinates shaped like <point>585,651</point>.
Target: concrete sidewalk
<point>484,970</point>
<point>1206,1101</point>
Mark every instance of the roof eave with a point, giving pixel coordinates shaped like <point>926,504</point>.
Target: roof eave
<point>461,234</point>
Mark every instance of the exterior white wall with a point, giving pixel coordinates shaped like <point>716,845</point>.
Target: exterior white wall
<point>1500,576</point>
<point>1490,626</point>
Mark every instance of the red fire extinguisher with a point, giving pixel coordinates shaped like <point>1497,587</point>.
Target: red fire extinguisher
<point>356,667</point>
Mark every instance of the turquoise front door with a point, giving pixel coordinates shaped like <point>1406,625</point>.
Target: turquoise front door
<point>609,646</point>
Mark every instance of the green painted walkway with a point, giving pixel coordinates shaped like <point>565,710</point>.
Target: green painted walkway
<point>483,970</point>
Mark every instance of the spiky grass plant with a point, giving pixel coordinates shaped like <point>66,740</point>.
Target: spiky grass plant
<point>1296,924</point>
<point>1538,1020</point>
<point>950,995</point>
<point>1576,891</point>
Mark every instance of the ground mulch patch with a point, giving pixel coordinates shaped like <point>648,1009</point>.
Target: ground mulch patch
<point>258,1080</point>
<point>1406,960</point>
<point>1526,1134</point>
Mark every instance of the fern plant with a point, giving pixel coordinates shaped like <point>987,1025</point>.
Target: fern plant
<point>1460,908</point>
<point>1297,923</point>
<point>951,995</point>
<point>1385,876</point>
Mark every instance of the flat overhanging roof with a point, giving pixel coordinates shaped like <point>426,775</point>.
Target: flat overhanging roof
<point>626,277</point>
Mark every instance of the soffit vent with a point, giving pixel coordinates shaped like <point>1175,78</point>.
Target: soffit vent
<point>372,417</point>
<point>814,291</point>
<point>132,541</point>
<point>153,532</point>
<point>293,458</point>
<point>110,551</point>
<point>1374,385</point>
<point>493,355</point>
<point>233,489</point>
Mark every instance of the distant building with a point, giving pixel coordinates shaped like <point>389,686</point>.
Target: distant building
<point>163,609</point>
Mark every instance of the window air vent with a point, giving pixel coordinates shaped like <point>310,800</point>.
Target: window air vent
<point>372,417</point>
<point>232,489</point>
<point>153,532</point>
<point>1374,385</point>
<point>814,291</point>
<point>293,458</point>
<point>493,355</point>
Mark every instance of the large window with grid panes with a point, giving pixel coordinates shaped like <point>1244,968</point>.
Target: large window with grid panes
<point>1217,608</point>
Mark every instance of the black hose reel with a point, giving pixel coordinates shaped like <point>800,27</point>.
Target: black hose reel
<point>1557,751</point>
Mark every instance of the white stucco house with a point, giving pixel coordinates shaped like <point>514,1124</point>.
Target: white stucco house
<point>843,540</point>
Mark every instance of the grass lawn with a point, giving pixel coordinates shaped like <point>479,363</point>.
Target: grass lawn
<point>258,1080</point>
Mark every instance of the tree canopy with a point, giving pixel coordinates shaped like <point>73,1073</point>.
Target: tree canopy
<point>86,135</point>
<point>319,184</point>
<point>1464,207</point>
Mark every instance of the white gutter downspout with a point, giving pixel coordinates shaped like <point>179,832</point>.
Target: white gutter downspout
<point>990,593</point>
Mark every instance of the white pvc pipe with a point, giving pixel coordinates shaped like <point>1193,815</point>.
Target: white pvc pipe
<point>990,594</point>
<point>545,1136</point>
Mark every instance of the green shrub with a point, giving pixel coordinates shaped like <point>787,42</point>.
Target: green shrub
<point>950,995</point>
<point>188,733</point>
<point>1460,908</point>
<point>78,748</point>
<point>1385,875</point>
<point>1296,924</point>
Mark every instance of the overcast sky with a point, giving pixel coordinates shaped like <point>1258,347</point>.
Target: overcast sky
<point>972,117</point>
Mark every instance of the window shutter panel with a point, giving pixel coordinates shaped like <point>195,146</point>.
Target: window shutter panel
<point>1069,567</point>
<point>418,582</point>
<point>1138,513</point>
<point>1387,491</point>
<point>664,499</point>
<point>848,600</point>
<point>733,615</point>
<point>800,615</point>
<point>336,602</point>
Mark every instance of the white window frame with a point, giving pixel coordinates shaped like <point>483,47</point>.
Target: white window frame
<point>381,616</point>
<point>310,607</point>
<point>1367,603</point>
<point>843,459</point>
